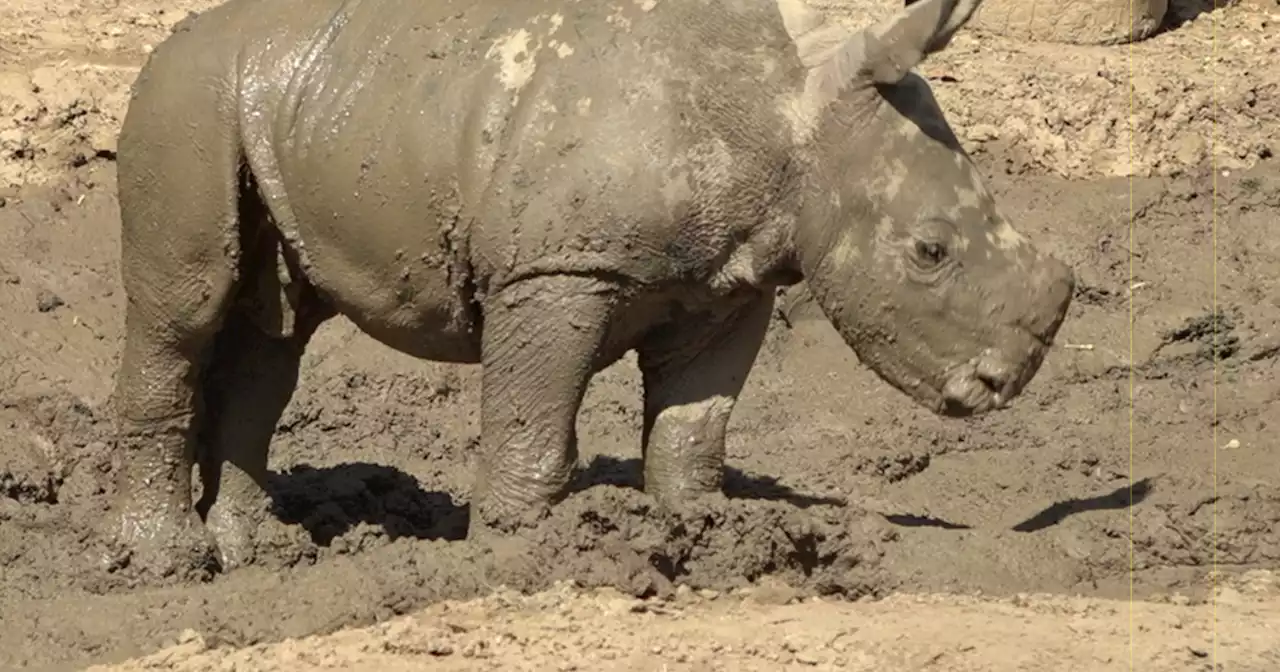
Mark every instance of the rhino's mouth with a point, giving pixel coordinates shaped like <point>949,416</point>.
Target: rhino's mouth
<point>966,393</point>
<point>991,379</point>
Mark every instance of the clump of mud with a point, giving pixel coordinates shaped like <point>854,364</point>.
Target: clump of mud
<point>601,535</point>
<point>610,536</point>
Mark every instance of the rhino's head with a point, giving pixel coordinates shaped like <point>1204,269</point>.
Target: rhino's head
<point>901,244</point>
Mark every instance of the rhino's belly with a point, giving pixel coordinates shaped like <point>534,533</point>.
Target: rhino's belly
<point>386,247</point>
<point>412,298</point>
<point>363,141</point>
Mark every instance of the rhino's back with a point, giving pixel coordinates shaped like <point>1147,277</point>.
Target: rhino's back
<point>416,153</point>
<point>541,136</point>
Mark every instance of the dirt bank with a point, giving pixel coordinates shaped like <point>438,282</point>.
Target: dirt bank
<point>566,629</point>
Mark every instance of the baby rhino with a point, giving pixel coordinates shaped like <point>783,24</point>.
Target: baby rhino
<point>539,187</point>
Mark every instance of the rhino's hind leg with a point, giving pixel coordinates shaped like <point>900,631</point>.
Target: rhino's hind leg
<point>252,376</point>
<point>179,270</point>
<point>153,527</point>
<point>541,343</point>
<point>693,372</point>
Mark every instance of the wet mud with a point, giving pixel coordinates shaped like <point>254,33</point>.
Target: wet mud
<point>1142,457</point>
<point>837,485</point>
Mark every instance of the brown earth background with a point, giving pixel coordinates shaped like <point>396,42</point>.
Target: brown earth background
<point>859,532</point>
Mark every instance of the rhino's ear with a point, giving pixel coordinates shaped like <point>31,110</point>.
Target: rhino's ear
<point>816,39</point>
<point>889,50</point>
<point>882,54</point>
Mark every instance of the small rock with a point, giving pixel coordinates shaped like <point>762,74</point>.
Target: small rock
<point>47,301</point>
<point>773,592</point>
<point>984,132</point>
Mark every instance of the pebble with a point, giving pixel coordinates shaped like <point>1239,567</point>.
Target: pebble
<point>47,301</point>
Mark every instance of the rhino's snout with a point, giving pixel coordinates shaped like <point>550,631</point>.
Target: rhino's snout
<point>1052,287</point>
<point>992,379</point>
<point>997,375</point>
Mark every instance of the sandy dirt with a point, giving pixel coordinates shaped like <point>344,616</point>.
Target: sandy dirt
<point>859,532</point>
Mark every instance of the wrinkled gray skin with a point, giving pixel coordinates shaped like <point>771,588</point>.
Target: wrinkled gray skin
<point>539,187</point>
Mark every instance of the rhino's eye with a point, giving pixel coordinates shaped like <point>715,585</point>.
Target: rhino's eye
<point>930,254</point>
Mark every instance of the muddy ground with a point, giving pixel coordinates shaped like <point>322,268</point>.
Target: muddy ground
<point>1163,385</point>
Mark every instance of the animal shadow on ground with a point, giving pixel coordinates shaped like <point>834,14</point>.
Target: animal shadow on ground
<point>628,473</point>
<point>913,520</point>
<point>329,501</point>
<point>1119,498</point>
<point>1183,11</point>
<point>1057,512</point>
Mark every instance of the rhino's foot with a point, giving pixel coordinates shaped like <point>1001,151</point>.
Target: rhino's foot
<point>492,518</point>
<point>157,542</point>
<point>251,381</point>
<point>675,494</point>
<point>234,523</point>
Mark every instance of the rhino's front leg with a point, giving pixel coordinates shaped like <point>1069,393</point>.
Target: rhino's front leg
<point>693,373</point>
<point>540,345</point>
